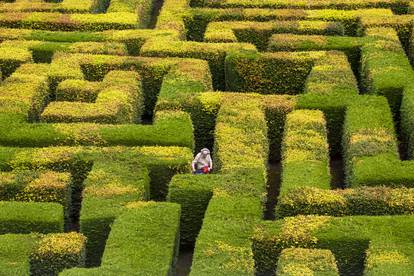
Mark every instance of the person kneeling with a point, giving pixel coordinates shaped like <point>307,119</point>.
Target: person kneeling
<point>202,163</point>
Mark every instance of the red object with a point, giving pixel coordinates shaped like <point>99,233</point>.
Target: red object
<point>206,169</point>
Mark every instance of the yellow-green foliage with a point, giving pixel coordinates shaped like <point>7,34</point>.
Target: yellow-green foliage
<point>55,252</point>
<point>240,134</point>
<point>301,261</point>
<point>259,33</point>
<point>332,74</point>
<point>348,202</point>
<point>305,151</point>
<point>77,90</point>
<point>80,75</point>
<point>48,187</point>
<point>119,101</point>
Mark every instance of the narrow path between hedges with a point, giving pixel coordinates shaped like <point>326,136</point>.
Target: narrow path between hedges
<point>156,8</point>
<point>274,171</point>
<point>336,166</point>
<point>184,261</point>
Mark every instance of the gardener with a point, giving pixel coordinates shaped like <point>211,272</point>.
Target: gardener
<point>202,163</point>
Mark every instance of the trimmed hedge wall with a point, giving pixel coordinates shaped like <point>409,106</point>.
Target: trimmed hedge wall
<point>71,22</point>
<point>235,119</point>
<point>214,53</point>
<point>45,186</point>
<point>143,240</point>
<point>55,252</point>
<point>66,6</point>
<point>77,91</point>
<point>368,132</point>
<point>332,74</point>
<point>120,176</point>
<point>11,59</point>
<point>198,19</point>
<point>178,74</point>
<point>388,75</point>
<point>407,119</point>
<point>15,250</point>
<point>295,261</point>
<point>258,33</point>
<point>142,8</point>
<point>223,246</point>
<point>373,201</point>
<point>400,6</point>
<point>268,73</point>
<point>27,217</point>
<point>349,239</point>
<point>120,101</point>
<point>305,152</point>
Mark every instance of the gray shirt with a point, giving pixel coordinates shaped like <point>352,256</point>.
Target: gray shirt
<point>201,161</point>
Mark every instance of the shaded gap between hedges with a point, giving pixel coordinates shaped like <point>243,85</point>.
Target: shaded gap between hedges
<point>184,260</point>
<point>151,90</point>
<point>396,112</point>
<point>196,27</point>
<point>78,176</point>
<point>156,8</point>
<point>274,174</point>
<point>336,166</point>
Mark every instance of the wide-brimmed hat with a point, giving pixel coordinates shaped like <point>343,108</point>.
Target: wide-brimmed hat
<point>205,149</point>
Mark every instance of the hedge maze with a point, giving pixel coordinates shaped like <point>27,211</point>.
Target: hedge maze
<point>307,107</point>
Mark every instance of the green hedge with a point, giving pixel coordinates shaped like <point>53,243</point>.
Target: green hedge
<point>258,33</point>
<point>199,18</point>
<point>276,109</point>
<point>332,74</point>
<point>240,153</point>
<point>117,40</point>
<point>407,119</point>
<point>119,101</point>
<point>43,51</point>
<point>170,128</point>
<point>368,132</point>
<point>400,6</point>
<point>383,170</point>
<point>385,67</point>
<point>120,176</point>
<point>296,42</point>
<point>223,246</point>
<point>214,53</point>
<point>45,186</point>
<point>11,59</point>
<point>109,185</point>
<point>295,261</point>
<point>351,46</point>
<point>180,86</point>
<point>71,22</point>
<point>241,144</point>
<point>67,6</point>
<point>193,194</point>
<point>352,240</point>
<point>373,201</point>
<point>77,90</point>
<point>55,252</point>
<point>163,163</point>
<point>143,240</point>
<point>15,250</point>
<point>171,17</point>
<point>142,8</point>
<point>26,217</point>
<point>305,152</point>
<point>268,73</point>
